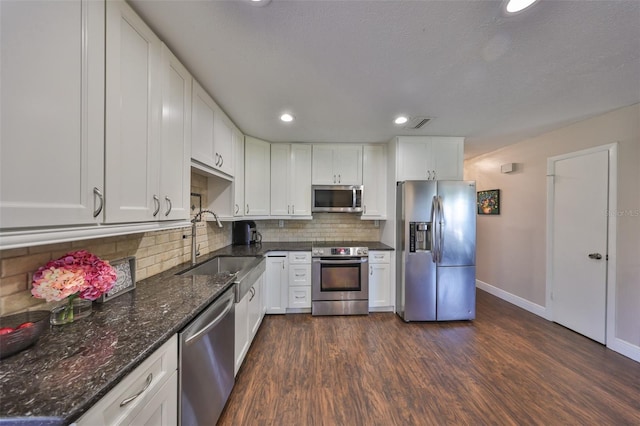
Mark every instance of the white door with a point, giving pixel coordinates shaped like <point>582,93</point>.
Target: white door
<point>579,243</point>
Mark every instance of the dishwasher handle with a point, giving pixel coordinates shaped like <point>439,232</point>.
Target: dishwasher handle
<point>202,330</point>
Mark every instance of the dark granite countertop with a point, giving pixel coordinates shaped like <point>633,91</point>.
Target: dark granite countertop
<point>74,365</point>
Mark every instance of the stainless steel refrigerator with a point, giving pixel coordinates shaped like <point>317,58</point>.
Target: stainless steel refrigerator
<point>436,250</point>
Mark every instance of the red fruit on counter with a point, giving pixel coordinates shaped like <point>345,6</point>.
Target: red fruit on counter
<point>6,330</point>
<point>24,325</point>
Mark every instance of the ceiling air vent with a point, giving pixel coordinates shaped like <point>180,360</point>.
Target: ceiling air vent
<point>416,122</point>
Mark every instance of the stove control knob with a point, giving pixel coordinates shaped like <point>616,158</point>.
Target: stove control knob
<point>365,251</point>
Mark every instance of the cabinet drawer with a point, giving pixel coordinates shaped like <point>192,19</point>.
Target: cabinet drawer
<point>299,275</point>
<point>145,381</point>
<point>299,297</point>
<point>379,256</point>
<point>299,257</point>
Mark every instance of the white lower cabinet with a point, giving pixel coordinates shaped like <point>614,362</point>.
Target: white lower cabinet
<point>299,284</point>
<point>248,317</point>
<point>380,295</point>
<point>241,332</point>
<point>277,285</point>
<point>146,396</point>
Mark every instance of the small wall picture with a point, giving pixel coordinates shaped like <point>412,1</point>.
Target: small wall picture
<point>489,201</point>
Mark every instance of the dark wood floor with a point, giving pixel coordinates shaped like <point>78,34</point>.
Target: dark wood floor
<point>507,367</point>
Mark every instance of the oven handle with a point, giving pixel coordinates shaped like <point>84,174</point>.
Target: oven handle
<point>342,262</point>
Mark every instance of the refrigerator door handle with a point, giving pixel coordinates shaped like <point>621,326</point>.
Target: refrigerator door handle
<point>434,244</point>
<point>440,223</point>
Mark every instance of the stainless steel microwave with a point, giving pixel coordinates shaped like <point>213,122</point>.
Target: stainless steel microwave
<point>336,198</point>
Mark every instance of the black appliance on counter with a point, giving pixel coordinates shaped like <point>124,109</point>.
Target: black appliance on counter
<point>244,233</point>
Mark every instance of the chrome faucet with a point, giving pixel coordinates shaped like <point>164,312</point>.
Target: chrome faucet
<point>194,221</point>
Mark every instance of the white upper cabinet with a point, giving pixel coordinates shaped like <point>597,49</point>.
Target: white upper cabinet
<point>374,179</point>
<point>223,141</point>
<point>430,158</point>
<point>175,154</point>
<point>257,175</point>
<point>238,180</point>
<point>133,114</point>
<point>212,133</point>
<point>290,180</point>
<point>52,120</point>
<point>337,165</point>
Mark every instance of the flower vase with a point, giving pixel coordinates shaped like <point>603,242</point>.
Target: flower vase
<point>73,310</point>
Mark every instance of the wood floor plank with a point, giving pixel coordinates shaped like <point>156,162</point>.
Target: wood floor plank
<point>507,367</point>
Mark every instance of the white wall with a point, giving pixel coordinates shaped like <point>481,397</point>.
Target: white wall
<point>511,247</point>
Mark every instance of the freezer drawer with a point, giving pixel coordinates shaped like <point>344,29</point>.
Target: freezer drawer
<point>456,293</point>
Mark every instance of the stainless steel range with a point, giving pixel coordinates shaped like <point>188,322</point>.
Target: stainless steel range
<point>339,281</point>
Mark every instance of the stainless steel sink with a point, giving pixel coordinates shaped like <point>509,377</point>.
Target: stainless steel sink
<point>247,269</point>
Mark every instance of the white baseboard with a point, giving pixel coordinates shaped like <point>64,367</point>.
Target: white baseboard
<point>513,299</point>
<point>617,345</point>
<point>625,348</point>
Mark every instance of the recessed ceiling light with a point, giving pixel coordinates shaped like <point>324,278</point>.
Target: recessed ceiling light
<point>287,118</point>
<point>401,120</point>
<point>515,6</point>
<point>260,2</point>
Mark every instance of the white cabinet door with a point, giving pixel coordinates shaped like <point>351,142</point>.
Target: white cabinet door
<point>337,165</point>
<point>175,153</point>
<point>223,141</point>
<point>280,179</point>
<point>374,179</point>
<point>300,180</point>
<point>290,180</point>
<point>255,307</point>
<point>257,171</point>
<point>448,157</point>
<point>238,178</point>
<point>202,124</point>
<point>380,294</point>
<point>413,156</point>
<point>430,158</point>
<point>347,164</point>
<point>52,121</point>
<point>241,342</point>
<point>277,285</point>
<point>322,169</point>
<point>133,81</point>
<point>162,409</point>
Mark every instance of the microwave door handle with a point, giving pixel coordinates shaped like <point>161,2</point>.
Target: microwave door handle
<point>353,198</point>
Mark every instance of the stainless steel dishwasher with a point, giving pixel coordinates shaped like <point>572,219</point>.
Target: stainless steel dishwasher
<point>206,363</point>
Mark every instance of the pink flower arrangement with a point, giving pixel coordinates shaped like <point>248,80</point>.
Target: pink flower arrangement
<point>77,274</point>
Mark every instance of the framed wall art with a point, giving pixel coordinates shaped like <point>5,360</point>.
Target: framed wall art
<point>126,281</point>
<point>489,201</point>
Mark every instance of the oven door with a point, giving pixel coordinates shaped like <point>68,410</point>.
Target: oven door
<point>344,278</point>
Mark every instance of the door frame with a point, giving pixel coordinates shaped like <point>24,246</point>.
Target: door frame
<point>610,303</point>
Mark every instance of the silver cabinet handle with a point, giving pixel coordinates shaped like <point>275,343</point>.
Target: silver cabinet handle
<point>334,178</point>
<point>287,209</point>
<point>217,163</point>
<point>339,179</point>
<point>253,293</point>
<point>97,193</point>
<point>168,200</point>
<point>293,209</point>
<point>434,174</point>
<point>237,208</point>
<point>596,256</point>
<point>156,201</point>
<point>247,210</point>
<point>364,209</point>
<point>146,386</point>
<point>221,160</point>
<point>371,270</point>
<point>300,275</point>
<point>428,174</point>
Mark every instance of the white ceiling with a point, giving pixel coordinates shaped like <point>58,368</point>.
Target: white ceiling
<point>345,69</point>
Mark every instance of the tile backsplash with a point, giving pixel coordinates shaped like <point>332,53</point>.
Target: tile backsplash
<point>161,250</point>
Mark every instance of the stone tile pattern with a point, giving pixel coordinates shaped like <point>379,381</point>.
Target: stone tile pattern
<point>323,227</point>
